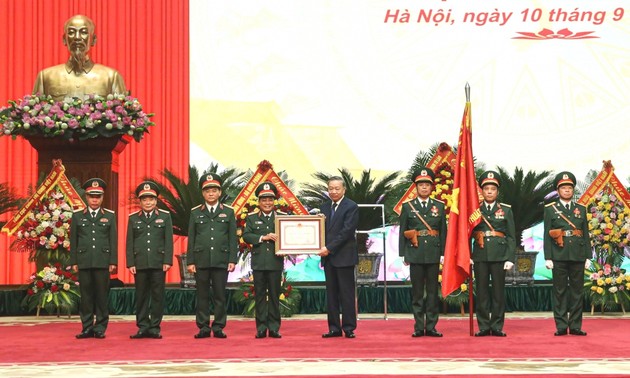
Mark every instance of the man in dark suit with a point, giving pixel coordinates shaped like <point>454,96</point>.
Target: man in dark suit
<point>421,244</point>
<point>339,258</point>
<point>149,257</point>
<point>494,252</point>
<point>567,248</point>
<point>212,247</point>
<point>267,266</point>
<point>94,254</point>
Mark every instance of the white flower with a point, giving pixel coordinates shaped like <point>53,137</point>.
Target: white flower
<point>613,289</point>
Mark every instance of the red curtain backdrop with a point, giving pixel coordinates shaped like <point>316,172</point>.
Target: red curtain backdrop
<point>147,42</point>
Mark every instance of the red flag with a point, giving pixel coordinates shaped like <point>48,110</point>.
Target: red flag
<point>465,214</point>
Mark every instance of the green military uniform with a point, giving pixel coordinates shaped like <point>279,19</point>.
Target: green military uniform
<point>267,270</point>
<point>212,245</point>
<point>149,248</point>
<point>496,232</point>
<point>93,248</point>
<point>424,259</point>
<point>568,260</point>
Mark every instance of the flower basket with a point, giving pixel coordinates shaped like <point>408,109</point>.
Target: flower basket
<point>54,289</point>
<point>290,299</point>
<point>607,286</point>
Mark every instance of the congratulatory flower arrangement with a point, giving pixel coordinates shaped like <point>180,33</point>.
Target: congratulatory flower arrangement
<point>75,118</point>
<point>53,289</point>
<point>608,286</point>
<point>609,227</point>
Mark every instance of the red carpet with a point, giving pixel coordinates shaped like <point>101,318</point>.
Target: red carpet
<point>527,339</point>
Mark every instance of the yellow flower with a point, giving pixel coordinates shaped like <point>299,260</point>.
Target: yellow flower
<point>440,278</point>
<point>282,297</point>
<point>628,286</point>
<point>589,216</point>
<point>600,282</point>
<point>618,222</point>
<point>607,219</point>
<point>608,280</point>
<point>593,288</point>
<point>619,279</point>
<point>606,237</point>
<point>600,290</point>
<point>463,287</point>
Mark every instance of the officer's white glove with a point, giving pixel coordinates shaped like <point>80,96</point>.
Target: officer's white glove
<point>508,265</point>
<point>442,260</point>
<point>587,264</point>
<point>548,264</point>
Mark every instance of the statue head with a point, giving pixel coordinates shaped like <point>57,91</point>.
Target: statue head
<point>78,36</point>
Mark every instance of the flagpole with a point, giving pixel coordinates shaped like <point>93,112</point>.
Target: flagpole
<point>471,325</point>
<point>470,302</point>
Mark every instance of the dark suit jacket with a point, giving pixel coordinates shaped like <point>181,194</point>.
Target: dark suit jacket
<point>496,249</point>
<point>340,233</point>
<point>429,248</point>
<point>212,240</point>
<point>93,242</point>
<point>149,241</point>
<point>575,248</point>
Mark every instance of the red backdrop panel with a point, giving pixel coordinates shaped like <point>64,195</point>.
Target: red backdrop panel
<point>147,42</point>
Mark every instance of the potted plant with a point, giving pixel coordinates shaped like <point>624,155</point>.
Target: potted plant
<point>525,192</point>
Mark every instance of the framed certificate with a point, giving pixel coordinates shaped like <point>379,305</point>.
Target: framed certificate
<point>299,234</point>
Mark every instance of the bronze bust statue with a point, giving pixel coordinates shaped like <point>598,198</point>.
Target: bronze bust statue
<point>79,76</point>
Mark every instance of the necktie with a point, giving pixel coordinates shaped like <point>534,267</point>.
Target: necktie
<point>334,208</point>
<point>488,207</point>
<point>93,214</point>
<point>424,205</point>
<point>211,210</point>
<point>567,206</point>
<point>148,215</point>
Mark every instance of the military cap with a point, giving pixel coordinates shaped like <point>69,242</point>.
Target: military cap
<point>564,178</point>
<point>210,180</point>
<point>489,177</point>
<point>94,186</point>
<point>147,188</point>
<point>266,189</point>
<point>423,174</point>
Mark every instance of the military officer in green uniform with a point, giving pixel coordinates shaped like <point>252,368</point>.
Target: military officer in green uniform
<point>567,248</point>
<point>212,248</point>
<point>267,266</point>
<point>149,257</point>
<point>493,252</point>
<point>421,244</point>
<point>94,253</point>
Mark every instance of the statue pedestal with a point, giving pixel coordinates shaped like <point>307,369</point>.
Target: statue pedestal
<point>84,159</point>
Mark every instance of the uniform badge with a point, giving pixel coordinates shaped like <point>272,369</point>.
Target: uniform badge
<point>147,187</point>
<point>104,220</point>
<point>499,214</point>
<point>434,211</point>
<point>490,175</point>
<point>266,187</point>
<point>159,221</point>
<point>222,215</point>
<point>95,184</point>
<point>423,173</point>
<point>576,213</point>
<point>209,178</point>
<point>565,176</point>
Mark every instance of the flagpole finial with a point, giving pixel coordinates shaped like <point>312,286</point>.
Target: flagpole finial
<point>467,90</point>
